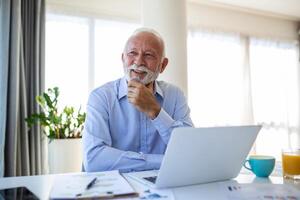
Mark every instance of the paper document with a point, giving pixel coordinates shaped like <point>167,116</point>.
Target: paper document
<point>101,185</point>
<point>260,191</point>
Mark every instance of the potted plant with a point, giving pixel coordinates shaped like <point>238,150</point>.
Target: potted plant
<point>63,129</point>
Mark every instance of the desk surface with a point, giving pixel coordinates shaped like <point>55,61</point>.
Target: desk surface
<point>41,186</point>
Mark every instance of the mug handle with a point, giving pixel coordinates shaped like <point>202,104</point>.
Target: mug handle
<point>249,168</point>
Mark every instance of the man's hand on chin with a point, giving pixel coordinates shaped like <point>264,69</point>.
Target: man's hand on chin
<point>143,99</point>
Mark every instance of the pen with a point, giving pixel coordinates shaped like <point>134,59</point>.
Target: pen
<point>90,184</point>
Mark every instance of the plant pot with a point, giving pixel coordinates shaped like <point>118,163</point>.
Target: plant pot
<point>65,155</point>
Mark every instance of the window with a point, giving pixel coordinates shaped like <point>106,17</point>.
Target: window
<point>236,80</point>
<point>67,60</point>
<point>109,43</point>
<point>83,53</point>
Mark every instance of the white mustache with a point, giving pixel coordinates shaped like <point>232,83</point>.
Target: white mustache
<point>140,68</point>
<point>149,77</point>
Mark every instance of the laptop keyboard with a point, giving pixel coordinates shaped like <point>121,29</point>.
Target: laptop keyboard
<point>151,179</point>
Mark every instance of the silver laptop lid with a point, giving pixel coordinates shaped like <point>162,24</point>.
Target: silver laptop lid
<point>201,155</point>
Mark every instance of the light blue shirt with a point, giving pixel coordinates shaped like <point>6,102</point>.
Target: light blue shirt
<point>119,137</point>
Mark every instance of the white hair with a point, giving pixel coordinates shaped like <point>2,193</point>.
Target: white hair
<point>152,31</point>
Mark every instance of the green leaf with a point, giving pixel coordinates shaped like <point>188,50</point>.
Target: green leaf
<point>69,110</point>
<point>56,92</point>
<point>40,100</point>
<point>48,100</point>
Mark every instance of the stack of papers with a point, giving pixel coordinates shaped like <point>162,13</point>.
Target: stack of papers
<point>90,185</point>
<point>260,191</point>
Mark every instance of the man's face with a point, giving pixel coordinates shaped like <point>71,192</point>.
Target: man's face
<point>142,58</point>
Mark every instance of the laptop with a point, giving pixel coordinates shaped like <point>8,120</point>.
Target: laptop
<point>201,155</point>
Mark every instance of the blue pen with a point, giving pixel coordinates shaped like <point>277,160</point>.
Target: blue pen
<point>90,184</point>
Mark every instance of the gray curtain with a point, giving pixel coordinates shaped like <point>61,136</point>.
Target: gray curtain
<point>4,27</point>
<point>24,79</point>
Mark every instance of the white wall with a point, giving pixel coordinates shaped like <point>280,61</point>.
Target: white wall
<point>114,9</point>
<point>241,22</point>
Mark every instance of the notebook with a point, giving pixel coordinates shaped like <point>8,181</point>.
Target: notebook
<point>201,155</point>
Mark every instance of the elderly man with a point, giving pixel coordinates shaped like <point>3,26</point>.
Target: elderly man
<point>130,120</point>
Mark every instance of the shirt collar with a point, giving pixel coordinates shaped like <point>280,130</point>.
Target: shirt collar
<point>123,89</point>
<point>158,90</point>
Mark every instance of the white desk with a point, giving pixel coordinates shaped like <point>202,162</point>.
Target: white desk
<point>41,186</point>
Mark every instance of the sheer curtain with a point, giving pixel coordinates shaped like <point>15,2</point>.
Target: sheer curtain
<point>216,78</point>
<point>235,80</point>
<point>275,94</point>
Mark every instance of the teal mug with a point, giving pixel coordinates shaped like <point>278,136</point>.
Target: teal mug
<point>261,166</point>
